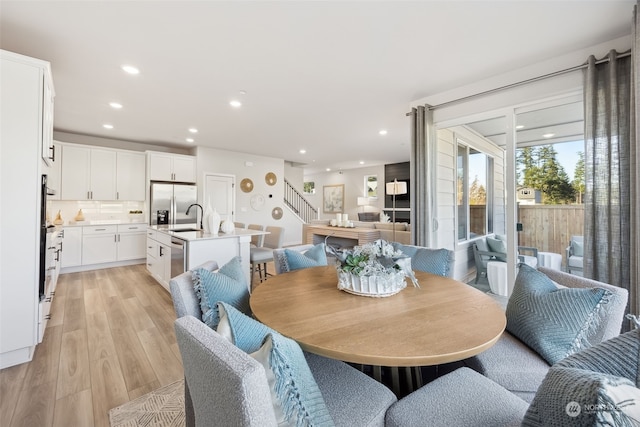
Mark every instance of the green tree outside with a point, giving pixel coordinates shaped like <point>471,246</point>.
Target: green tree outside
<point>541,170</point>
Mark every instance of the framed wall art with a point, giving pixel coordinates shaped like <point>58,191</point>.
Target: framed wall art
<point>371,186</point>
<point>333,198</point>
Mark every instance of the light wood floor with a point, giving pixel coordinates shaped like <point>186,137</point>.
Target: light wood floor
<point>109,341</point>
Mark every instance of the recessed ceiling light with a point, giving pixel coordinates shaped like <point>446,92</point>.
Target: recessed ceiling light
<point>328,169</point>
<point>235,104</point>
<point>243,92</point>
<point>383,132</point>
<point>520,127</point>
<point>130,69</point>
<point>362,162</point>
<point>115,105</point>
<point>193,130</point>
<point>548,135</point>
<point>189,140</point>
<point>107,126</point>
<point>303,151</point>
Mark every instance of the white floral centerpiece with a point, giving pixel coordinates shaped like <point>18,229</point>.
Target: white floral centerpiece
<point>376,269</point>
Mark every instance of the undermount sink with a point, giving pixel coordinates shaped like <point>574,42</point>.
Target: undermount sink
<point>183,230</point>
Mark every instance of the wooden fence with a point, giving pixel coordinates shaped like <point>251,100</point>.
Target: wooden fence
<point>549,227</point>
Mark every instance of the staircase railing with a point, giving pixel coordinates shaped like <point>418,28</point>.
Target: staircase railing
<point>298,204</point>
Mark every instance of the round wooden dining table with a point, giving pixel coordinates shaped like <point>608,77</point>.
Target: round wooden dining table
<point>442,321</point>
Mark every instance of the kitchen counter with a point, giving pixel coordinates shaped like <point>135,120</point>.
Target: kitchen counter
<point>201,235</point>
<point>171,252</point>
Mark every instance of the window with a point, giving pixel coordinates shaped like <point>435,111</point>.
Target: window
<point>474,189</point>
<point>309,187</point>
<point>371,186</point>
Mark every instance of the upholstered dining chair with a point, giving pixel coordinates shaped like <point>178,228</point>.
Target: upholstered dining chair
<point>260,256</point>
<point>239,224</point>
<point>256,240</point>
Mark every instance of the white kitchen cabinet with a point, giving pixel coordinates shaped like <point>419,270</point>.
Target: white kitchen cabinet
<point>53,171</point>
<point>130,176</point>
<point>171,167</point>
<point>24,142</point>
<point>48,153</point>
<point>132,241</point>
<point>71,247</point>
<point>99,244</point>
<point>88,173</point>
<point>159,257</point>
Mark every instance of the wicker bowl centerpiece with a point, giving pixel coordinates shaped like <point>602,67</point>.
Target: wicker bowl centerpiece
<point>374,269</point>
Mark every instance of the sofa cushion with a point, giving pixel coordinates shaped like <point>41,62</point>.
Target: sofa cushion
<point>513,365</point>
<point>553,322</point>
<point>399,226</point>
<point>595,387</point>
<point>296,398</point>
<point>460,398</point>
<point>228,285</point>
<point>314,257</point>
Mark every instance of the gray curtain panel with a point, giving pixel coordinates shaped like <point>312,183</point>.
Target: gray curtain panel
<point>634,290</point>
<point>421,125</point>
<point>607,212</point>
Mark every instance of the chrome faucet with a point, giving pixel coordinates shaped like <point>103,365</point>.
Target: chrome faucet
<point>201,213</point>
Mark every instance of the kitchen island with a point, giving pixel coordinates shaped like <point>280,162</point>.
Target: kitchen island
<point>172,249</point>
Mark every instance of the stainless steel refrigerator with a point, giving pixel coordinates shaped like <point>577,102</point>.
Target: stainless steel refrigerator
<point>169,203</point>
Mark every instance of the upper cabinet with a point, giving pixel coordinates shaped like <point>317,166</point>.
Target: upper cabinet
<point>171,167</point>
<point>90,173</point>
<point>53,171</point>
<point>130,170</point>
<point>48,149</point>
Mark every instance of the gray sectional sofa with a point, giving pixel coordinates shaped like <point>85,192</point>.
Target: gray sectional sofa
<point>493,388</point>
<point>520,369</point>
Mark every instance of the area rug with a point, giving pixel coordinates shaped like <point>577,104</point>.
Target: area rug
<point>163,407</point>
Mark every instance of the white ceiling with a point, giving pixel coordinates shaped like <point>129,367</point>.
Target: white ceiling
<point>324,76</point>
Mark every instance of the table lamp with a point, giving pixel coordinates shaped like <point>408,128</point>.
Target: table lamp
<point>394,188</point>
<point>363,201</point>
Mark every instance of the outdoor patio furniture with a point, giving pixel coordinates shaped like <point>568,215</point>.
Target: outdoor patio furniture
<point>575,252</point>
<point>482,254</point>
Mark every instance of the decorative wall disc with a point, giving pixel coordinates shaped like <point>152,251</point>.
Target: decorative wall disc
<point>257,202</point>
<point>246,185</point>
<point>276,213</point>
<point>270,178</point>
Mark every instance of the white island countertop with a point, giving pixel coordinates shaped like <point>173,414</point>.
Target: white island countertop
<point>193,232</point>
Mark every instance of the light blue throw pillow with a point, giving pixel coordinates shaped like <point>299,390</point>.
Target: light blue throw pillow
<point>434,261</point>
<point>228,284</point>
<point>578,248</point>
<point>553,322</point>
<point>295,394</point>
<point>497,245</point>
<point>314,257</point>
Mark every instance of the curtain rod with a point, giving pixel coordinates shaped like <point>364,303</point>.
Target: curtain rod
<point>523,82</point>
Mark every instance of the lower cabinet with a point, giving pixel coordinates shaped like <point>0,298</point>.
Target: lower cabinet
<point>132,239</point>
<point>99,244</point>
<point>71,255</point>
<point>159,258</point>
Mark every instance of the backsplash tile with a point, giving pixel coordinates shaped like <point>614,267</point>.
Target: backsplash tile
<point>94,210</point>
